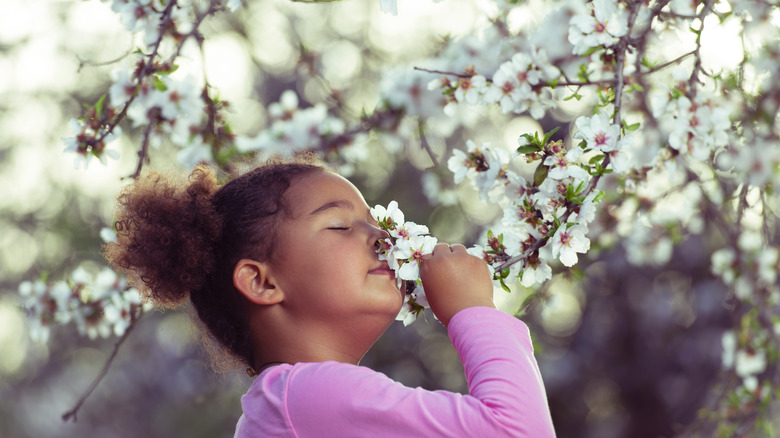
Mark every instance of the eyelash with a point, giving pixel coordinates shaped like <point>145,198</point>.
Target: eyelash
<point>340,228</point>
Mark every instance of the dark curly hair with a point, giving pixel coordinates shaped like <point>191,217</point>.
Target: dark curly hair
<point>179,239</point>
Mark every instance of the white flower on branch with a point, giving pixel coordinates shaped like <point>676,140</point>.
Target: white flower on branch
<point>45,306</point>
<point>568,241</point>
<point>88,143</point>
<point>602,26</point>
<point>293,129</point>
<point>98,305</point>
<point>564,166</point>
<point>598,132</point>
<point>723,263</point>
<point>470,90</point>
<point>486,168</point>
<point>748,364</point>
<point>412,251</point>
<point>518,85</point>
<point>403,250</point>
<point>536,272</point>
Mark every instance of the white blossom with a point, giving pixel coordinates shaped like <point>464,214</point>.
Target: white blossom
<point>598,132</point>
<point>412,251</point>
<point>568,241</point>
<point>603,27</point>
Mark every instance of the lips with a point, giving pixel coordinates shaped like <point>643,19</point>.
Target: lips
<point>382,269</point>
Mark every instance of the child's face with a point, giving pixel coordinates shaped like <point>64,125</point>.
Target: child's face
<point>326,261</point>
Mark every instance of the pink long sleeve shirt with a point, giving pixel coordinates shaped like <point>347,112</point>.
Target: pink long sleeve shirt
<point>332,399</point>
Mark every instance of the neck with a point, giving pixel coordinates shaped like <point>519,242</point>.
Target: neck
<point>279,337</point>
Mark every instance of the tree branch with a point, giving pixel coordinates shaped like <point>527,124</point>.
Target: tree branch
<point>71,414</point>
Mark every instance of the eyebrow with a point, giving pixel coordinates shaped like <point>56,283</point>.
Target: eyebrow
<point>333,204</point>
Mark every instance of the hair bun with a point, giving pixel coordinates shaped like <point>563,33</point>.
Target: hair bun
<point>166,234</point>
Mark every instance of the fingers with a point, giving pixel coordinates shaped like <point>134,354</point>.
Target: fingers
<point>458,248</point>
<point>441,248</point>
<point>444,248</point>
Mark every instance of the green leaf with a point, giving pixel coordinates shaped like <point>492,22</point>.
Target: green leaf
<point>547,136</point>
<point>527,149</point>
<point>99,105</point>
<point>591,51</point>
<point>596,159</point>
<point>173,68</point>
<point>504,286</point>
<point>159,84</point>
<point>540,174</point>
<point>576,95</point>
<point>632,127</point>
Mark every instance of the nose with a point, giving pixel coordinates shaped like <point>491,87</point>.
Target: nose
<point>378,234</point>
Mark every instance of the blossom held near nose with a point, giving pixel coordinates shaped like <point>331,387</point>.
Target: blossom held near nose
<point>407,243</point>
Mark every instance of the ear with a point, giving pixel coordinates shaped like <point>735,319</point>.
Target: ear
<point>253,279</point>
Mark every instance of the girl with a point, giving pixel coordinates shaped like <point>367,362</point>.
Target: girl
<point>281,267</point>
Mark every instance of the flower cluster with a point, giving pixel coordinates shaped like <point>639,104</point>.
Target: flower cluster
<point>91,138</point>
<point>697,124</point>
<point>99,306</point>
<point>403,250</point>
<point>750,268</point>
<point>520,85</point>
<point>603,25</point>
<point>292,128</point>
<point>150,94</point>
<point>546,217</point>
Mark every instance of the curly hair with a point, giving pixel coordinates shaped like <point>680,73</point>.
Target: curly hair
<point>178,239</point>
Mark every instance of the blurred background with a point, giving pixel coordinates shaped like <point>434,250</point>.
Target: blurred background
<point>624,350</point>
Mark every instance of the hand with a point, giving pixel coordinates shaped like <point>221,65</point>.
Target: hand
<point>455,280</point>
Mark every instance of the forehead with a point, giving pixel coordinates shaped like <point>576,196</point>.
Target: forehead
<point>314,190</point>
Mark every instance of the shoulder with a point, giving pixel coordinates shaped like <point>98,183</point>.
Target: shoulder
<point>286,398</point>
<point>338,399</point>
<point>314,382</point>
<point>333,379</point>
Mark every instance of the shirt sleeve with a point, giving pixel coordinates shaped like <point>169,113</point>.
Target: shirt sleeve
<point>506,394</point>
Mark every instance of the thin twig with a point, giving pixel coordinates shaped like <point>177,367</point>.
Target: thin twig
<point>142,153</point>
<point>445,73</point>
<point>697,62</point>
<point>71,414</point>
<point>83,62</point>
<point>424,143</point>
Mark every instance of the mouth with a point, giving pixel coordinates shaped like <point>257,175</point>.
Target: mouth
<point>382,269</point>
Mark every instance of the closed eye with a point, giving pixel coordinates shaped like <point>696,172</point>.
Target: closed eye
<point>340,228</point>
